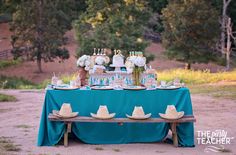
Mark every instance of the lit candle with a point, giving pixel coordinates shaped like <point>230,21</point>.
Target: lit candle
<point>94,51</point>
<point>99,51</point>
<point>104,51</point>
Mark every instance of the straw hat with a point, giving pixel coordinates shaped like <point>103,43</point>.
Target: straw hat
<point>171,113</point>
<point>65,111</point>
<point>138,113</point>
<point>103,113</point>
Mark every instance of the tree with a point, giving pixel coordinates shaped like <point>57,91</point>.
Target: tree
<point>113,24</point>
<point>223,25</point>
<point>230,36</point>
<point>38,28</point>
<point>191,31</point>
<point>227,9</point>
<point>7,7</point>
<point>155,22</point>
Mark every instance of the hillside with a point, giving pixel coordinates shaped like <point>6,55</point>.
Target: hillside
<point>28,70</point>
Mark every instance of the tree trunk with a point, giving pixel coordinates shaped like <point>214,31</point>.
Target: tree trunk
<point>188,66</point>
<point>222,41</point>
<point>40,36</point>
<point>227,61</point>
<point>228,45</point>
<point>39,64</point>
<point>223,25</point>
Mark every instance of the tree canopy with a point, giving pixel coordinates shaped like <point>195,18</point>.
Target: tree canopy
<point>38,28</point>
<point>114,24</point>
<point>191,30</point>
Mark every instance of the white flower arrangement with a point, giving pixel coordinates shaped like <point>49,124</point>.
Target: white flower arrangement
<point>135,61</point>
<point>100,60</point>
<point>129,64</point>
<point>84,61</point>
<point>140,61</point>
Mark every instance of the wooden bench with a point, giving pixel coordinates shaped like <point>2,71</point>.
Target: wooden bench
<point>173,123</point>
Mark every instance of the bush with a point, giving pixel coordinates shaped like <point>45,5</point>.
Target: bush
<point>7,63</point>
<point>7,98</point>
<point>15,83</point>
<point>43,84</point>
<point>4,18</point>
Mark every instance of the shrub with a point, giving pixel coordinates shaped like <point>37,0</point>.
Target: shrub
<point>7,63</point>
<point>15,83</point>
<point>7,98</point>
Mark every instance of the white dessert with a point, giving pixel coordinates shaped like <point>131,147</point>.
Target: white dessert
<point>118,60</point>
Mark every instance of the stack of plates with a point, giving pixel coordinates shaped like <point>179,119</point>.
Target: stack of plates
<point>102,87</point>
<point>168,87</point>
<point>65,87</point>
<point>135,88</point>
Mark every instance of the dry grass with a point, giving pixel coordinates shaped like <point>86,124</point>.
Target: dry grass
<point>99,148</point>
<point>225,90</point>
<point>7,145</point>
<point>197,77</point>
<point>116,150</point>
<point>23,126</point>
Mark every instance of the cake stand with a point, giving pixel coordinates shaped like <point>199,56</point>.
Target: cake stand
<point>117,67</point>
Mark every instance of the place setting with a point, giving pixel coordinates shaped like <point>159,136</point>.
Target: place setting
<point>58,84</point>
<point>171,85</point>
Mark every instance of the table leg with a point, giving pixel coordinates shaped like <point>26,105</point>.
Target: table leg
<point>68,130</point>
<point>174,134</point>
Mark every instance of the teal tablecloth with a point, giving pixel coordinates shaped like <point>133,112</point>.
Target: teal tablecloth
<point>119,102</point>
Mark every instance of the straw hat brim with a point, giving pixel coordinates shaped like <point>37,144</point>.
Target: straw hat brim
<point>178,116</point>
<point>139,117</point>
<point>110,116</point>
<point>71,115</point>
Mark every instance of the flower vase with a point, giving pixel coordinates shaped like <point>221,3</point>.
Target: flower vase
<point>136,76</point>
<point>83,76</point>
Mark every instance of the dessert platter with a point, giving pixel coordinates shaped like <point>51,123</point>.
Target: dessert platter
<point>129,73</point>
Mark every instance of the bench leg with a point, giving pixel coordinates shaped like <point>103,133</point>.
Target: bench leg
<point>174,134</point>
<point>68,130</point>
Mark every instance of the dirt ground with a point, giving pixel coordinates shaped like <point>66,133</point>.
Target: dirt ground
<point>19,122</point>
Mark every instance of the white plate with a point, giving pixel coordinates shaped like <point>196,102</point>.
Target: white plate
<point>135,88</point>
<point>66,88</point>
<point>102,87</point>
<point>169,87</point>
